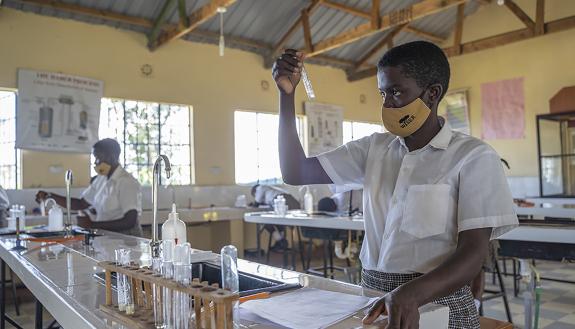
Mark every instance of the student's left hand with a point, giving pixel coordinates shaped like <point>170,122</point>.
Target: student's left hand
<point>401,310</point>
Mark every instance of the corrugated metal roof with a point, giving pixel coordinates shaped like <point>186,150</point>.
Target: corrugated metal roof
<point>262,21</point>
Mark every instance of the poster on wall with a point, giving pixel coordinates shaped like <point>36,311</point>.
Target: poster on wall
<point>455,109</point>
<point>503,109</point>
<point>325,130</point>
<point>57,112</point>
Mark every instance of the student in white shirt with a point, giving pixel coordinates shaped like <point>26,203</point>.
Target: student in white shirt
<point>113,200</point>
<point>433,197</point>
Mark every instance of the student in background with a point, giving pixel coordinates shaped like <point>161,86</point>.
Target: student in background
<point>265,195</point>
<point>113,200</point>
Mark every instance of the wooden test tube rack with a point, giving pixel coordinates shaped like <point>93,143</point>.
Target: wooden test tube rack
<point>142,279</point>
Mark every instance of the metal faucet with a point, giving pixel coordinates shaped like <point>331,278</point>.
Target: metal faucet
<point>68,225</point>
<point>155,243</point>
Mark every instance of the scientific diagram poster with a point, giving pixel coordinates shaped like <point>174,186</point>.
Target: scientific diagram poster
<point>325,130</point>
<point>57,112</point>
<point>455,109</point>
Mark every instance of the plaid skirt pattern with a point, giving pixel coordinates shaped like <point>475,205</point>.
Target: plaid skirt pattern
<point>462,311</point>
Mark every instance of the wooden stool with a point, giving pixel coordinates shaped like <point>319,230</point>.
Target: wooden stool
<point>488,323</point>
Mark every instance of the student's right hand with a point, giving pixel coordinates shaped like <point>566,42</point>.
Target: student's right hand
<point>286,70</point>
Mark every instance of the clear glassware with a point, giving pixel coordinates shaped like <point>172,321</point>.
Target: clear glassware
<point>183,275</point>
<point>128,296</point>
<point>157,295</point>
<point>168,273</point>
<point>120,281</point>
<point>230,278</point>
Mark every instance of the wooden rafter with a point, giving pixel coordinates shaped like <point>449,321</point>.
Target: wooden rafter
<point>384,42</point>
<point>209,36</point>
<point>520,14</point>
<point>458,33</point>
<point>183,13</point>
<point>375,19</point>
<point>424,34</point>
<point>390,20</point>
<point>346,8</point>
<point>306,31</point>
<point>290,32</point>
<point>195,19</point>
<point>160,20</point>
<point>540,17</point>
<point>490,42</point>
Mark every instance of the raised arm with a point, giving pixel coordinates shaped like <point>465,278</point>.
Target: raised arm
<point>296,168</point>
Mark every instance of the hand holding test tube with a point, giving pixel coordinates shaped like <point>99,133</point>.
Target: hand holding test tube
<point>288,70</point>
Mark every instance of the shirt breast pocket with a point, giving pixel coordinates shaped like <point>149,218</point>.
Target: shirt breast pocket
<point>426,210</point>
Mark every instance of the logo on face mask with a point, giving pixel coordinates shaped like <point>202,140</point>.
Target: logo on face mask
<point>403,122</point>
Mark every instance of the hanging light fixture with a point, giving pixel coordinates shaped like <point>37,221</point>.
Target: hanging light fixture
<point>501,2</point>
<point>222,44</point>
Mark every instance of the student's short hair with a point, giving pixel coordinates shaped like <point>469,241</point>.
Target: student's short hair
<point>108,146</point>
<point>420,60</point>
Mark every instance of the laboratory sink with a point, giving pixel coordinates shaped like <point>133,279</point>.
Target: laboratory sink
<point>249,284</point>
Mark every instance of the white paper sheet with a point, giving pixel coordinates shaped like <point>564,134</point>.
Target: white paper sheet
<point>308,308</point>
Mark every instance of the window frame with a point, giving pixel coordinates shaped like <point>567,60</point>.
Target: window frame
<point>18,153</point>
<point>158,143</point>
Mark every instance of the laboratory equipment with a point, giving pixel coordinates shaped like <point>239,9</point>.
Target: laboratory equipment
<point>308,201</point>
<point>183,275</point>
<point>167,273</point>
<point>120,281</point>
<point>307,84</point>
<point>157,295</point>
<point>155,243</point>
<point>174,229</point>
<point>68,224</point>
<point>210,302</point>
<point>18,214</point>
<point>280,206</point>
<point>230,278</point>
<point>55,216</point>
<point>127,285</point>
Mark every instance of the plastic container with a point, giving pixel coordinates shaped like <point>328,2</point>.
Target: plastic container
<point>55,217</point>
<point>174,229</point>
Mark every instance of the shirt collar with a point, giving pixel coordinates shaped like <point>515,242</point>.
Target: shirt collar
<point>440,141</point>
<point>117,173</point>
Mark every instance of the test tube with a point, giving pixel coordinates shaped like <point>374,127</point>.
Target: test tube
<point>307,84</point>
<point>157,295</point>
<point>230,278</point>
<point>120,281</point>
<point>183,275</point>
<point>168,273</point>
<point>128,297</point>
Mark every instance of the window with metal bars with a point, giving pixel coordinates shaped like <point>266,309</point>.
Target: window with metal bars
<point>147,129</point>
<point>9,155</point>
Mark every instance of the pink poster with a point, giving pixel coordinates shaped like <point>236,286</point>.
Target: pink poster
<point>503,109</point>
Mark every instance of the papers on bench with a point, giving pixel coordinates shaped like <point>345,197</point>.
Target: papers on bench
<point>307,308</point>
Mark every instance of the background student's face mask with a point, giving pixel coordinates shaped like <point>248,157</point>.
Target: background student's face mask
<point>404,121</point>
<point>102,168</point>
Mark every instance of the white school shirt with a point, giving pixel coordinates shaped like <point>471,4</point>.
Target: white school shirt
<point>415,203</point>
<point>114,197</point>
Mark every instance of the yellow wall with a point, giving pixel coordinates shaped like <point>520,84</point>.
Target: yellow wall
<point>184,73</point>
<point>546,63</point>
<point>192,73</point>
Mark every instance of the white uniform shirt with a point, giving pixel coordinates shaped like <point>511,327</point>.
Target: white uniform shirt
<point>415,203</point>
<point>113,197</point>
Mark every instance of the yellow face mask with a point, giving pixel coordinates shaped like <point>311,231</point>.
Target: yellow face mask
<point>404,121</point>
<point>102,168</point>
